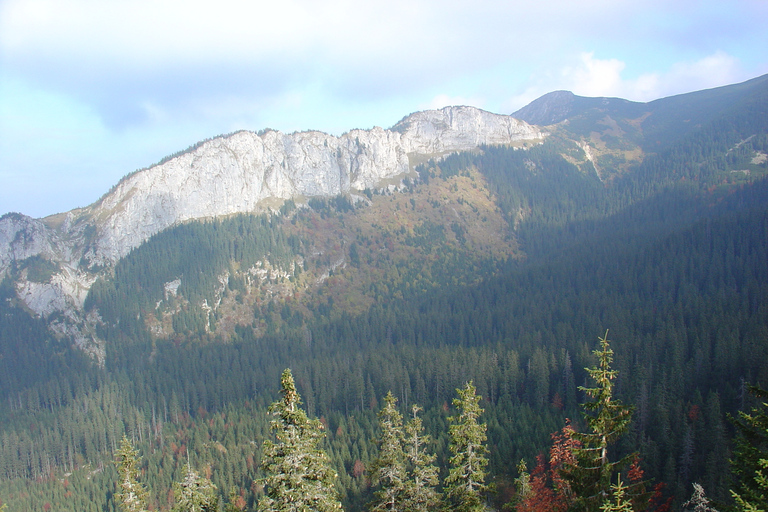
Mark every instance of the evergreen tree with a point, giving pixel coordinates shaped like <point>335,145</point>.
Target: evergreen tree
<point>618,502</point>
<point>195,493</point>
<point>759,503</point>
<point>389,469</point>
<point>589,476</point>
<point>523,487</point>
<point>750,462</point>
<point>465,483</point>
<point>298,474</point>
<point>132,495</point>
<point>698,502</point>
<point>420,493</point>
<point>236,502</point>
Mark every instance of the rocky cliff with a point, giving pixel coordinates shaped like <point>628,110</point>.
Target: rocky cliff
<point>243,172</point>
<point>238,173</point>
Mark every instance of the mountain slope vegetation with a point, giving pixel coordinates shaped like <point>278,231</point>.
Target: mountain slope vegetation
<point>501,266</point>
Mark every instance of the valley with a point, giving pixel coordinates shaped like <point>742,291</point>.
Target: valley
<point>496,261</point>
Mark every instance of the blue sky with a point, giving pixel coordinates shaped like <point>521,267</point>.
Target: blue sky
<point>91,90</point>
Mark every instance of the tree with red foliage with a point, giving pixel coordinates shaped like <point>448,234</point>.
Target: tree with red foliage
<point>657,502</point>
<point>564,444</point>
<point>546,490</point>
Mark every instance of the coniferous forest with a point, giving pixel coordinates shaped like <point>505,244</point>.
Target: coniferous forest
<point>513,329</point>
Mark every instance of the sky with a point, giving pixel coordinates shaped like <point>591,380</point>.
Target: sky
<point>91,90</point>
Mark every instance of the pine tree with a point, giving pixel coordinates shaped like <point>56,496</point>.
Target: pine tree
<point>132,495</point>
<point>420,493</point>
<point>195,493</point>
<point>389,468</point>
<point>465,483</point>
<point>298,474</point>
<point>589,476</point>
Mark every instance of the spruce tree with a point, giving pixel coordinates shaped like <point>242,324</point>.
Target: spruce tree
<point>607,418</point>
<point>298,473</point>
<point>699,501</point>
<point>618,500</point>
<point>420,493</point>
<point>465,483</point>
<point>389,468</point>
<point>132,495</point>
<point>195,493</point>
<point>750,461</point>
<point>759,501</point>
<point>523,486</point>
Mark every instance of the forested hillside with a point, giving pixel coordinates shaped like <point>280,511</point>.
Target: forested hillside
<point>500,266</point>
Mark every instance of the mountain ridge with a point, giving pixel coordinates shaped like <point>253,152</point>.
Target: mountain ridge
<point>659,122</point>
<point>239,173</point>
<point>496,264</point>
<point>248,172</point>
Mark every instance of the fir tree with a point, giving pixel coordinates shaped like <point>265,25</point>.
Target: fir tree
<point>195,493</point>
<point>589,476</point>
<point>389,467</point>
<point>132,495</point>
<point>298,474</point>
<point>465,483</point>
<point>420,493</point>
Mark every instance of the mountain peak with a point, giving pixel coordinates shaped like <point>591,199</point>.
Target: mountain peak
<point>551,108</point>
<point>237,173</point>
<point>555,107</point>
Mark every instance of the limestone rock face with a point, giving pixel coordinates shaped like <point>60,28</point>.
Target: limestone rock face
<point>238,173</point>
<point>22,237</point>
<point>461,128</point>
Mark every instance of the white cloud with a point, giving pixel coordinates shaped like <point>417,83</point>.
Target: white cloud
<point>146,32</point>
<point>594,77</point>
<point>132,80</point>
<point>711,71</point>
<point>119,56</point>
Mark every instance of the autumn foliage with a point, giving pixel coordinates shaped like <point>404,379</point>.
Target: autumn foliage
<point>548,491</point>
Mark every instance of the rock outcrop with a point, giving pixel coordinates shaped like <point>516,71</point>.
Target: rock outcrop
<point>226,175</point>
<point>236,173</point>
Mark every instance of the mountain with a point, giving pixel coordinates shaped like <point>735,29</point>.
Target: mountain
<point>652,126</point>
<point>248,172</point>
<point>239,173</point>
<point>558,106</point>
<point>457,245</point>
